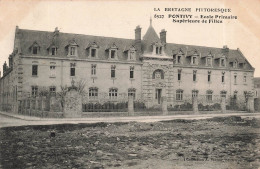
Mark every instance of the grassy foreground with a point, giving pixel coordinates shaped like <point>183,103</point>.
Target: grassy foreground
<point>216,143</point>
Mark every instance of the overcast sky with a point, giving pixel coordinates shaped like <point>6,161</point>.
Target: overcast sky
<point>119,19</point>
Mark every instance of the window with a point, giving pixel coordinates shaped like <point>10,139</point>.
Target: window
<point>131,72</point>
<point>35,50</point>
<point>235,79</point>
<point>113,94</point>
<point>132,54</point>
<point>53,51</point>
<point>244,80</point>
<point>34,70</point>
<point>93,69</point>
<point>223,77</point>
<point>194,75</point>
<point>179,74</point>
<point>179,95</point>
<point>93,93</point>
<point>113,71</point>
<point>194,60</point>
<point>195,93</point>
<point>113,54</point>
<point>52,71</point>
<point>131,92</point>
<point>52,67</point>
<point>209,96</point>
<point>73,51</point>
<point>34,91</point>
<point>209,61</point>
<point>223,94</point>
<point>178,60</point>
<point>157,50</point>
<point>235,64</point>
<point>209,76</point>
<point>72,69</point>
<point>52,90</point>
<point>222,62</point>
<point>93,52</point>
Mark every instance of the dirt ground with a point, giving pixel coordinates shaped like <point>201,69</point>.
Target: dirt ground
<point>217,143</point>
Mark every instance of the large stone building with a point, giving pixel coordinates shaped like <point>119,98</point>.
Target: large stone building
<point>113,68</point>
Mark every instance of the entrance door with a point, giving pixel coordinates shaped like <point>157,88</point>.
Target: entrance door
<point>158,94</point>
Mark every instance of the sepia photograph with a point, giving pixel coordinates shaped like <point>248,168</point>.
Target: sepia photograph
<point>130,84</point>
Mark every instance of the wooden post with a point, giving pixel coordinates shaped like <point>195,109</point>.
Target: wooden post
<point>131,105</point>
<point>164,106</point>
<point>223,104</point>
<point>195,105</point>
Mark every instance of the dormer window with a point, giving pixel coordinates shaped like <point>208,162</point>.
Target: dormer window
<point>53,51</point>
<point>72,48</point>
<point>178,61</point>
<point>235,64</point>
<point>222,62</point>
<point>158,48</point>
<point>209,61</point>
<point>92,50</point>
<point>113,52</point>
<point>73,51</point>
<point>35,48</point>
<point>194,60</point>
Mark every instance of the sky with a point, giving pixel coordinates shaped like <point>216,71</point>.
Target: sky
<point>119,19</point>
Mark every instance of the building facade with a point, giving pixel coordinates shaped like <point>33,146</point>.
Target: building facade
<point>148,68</point>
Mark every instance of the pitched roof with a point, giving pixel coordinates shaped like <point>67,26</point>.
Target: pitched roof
<point>44,39</point>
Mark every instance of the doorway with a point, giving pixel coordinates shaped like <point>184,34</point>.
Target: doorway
<point>158,95</point>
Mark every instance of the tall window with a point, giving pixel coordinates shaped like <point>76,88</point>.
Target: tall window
<point>93,69</point>
<point>53,51</point>
<point>73,51</point>
<point>178,60</point>
<point>209,61</point>
<point>72,69</point>
<point>34,70</point>
<point>222,62</point>
<point>34,91</point>
<point>131,72</point>
<point>223,77</point>
<point>52,90</point>
<point>209,95</point>
<point>93,52</point>
<point>209,76</point>
<point>93,93</point>
<point>35,50</point>
<point>132,54</point>
<point>113,71</point>
<point>52,71</point>
<point>194,75</point>
<point>235,79</point>
<point>113,54</point>
<point>244,79</point>
<point>179,95</point>
<point>179,74</point>
<point>234,64</point>
<point>131,92</point>
<point>194,60</point>
<point>112,93</point>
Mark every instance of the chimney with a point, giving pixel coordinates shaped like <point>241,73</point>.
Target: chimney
<point>163,36</point>
<point>138,39</point>
<point>4,67</point>
<point>225,50</point>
